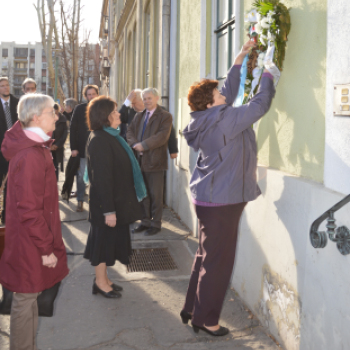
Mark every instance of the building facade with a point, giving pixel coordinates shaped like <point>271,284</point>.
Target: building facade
<point>297,291</point>
<point>135,45</point>
<point>19,62</point>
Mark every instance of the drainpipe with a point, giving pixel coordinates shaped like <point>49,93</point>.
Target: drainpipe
<point>166,52</point>
<point>109,36</point>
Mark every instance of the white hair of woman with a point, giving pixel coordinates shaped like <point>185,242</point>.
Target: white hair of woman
<point>31,105</point>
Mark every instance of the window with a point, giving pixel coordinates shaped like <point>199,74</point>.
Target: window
<point>18,92</point>
<point>44,65</point>
<point>5,53</point>
<point>32,52</point>
<point>32,65</point>
<point>20,52</point>
<point>43,79</point>
<point>224,38</point>
<point>21,65</point>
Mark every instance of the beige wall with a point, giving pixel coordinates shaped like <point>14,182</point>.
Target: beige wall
<point>291,136</point>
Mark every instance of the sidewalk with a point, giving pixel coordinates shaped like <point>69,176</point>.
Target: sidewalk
<point>147,316</point>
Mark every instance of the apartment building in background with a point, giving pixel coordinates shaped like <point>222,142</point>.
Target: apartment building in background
<point>19,61</point>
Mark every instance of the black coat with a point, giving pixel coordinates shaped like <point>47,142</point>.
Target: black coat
<point>127,114</point>
<point>111,180</point>
<point>79,131</point>
<point>3,128</point>
<point>60,136</point>
<point>71,170</point>
<point>68,115</point>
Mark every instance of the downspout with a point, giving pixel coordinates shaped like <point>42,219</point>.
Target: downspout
<point>109,36</point>
<point>166,52</point>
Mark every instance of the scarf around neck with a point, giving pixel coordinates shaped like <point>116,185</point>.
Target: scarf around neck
<point>139,184</point>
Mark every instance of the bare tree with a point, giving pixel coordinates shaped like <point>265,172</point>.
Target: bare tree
<point>62,34</point>
<point>49,36</point>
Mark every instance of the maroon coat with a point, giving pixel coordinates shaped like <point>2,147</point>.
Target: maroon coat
<point>33,226</point>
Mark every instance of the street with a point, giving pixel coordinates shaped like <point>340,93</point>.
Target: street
<point>147,315</point>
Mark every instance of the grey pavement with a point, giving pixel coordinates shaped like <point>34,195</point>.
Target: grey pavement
<point>147,315</point>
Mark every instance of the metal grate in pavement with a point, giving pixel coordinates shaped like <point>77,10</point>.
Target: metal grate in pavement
<point>151,259</point>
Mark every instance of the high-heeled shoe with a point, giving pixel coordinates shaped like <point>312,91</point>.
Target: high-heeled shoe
<point>220,332</point>
<point>110,294</point>
<point>185,316</point>
<point>114,286</point>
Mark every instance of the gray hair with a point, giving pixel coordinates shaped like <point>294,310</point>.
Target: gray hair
<point>70,102</point>
<point>151,90</point>
<point>4,78</point>
<point>28,80</point>
<point>31,105</point>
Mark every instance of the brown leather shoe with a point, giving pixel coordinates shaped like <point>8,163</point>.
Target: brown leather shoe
<point>80,207</point>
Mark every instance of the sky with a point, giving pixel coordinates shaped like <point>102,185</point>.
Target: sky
<point>19,21</point>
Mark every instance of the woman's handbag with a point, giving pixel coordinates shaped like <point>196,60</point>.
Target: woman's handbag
<point>45,301</point>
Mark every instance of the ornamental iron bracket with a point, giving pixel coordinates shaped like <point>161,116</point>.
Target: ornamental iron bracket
<point>340,235</point>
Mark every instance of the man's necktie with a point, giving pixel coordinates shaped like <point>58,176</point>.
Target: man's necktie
<point>145,124</point>
<point>8,115</point>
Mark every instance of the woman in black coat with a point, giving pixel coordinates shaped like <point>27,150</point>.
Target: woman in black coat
<point>116,189</point>
<point>59,135</point>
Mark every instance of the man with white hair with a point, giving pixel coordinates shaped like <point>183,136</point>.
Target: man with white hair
<point>148,135</point>
<point>69,105</point>
<point>134,104</point>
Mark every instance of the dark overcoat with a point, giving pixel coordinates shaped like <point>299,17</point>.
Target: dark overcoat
<point>60,135</point>
<point>111,180</point>
<point>3,128</point>
<point>33,225</point>
<point>79,131</point>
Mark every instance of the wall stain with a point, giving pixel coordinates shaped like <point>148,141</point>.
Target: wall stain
<point>279,308</point>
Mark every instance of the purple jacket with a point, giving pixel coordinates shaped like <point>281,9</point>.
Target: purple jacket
<point>225,172</point>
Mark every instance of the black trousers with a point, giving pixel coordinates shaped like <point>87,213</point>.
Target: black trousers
<point>153,203</point>
<point>213,263</point>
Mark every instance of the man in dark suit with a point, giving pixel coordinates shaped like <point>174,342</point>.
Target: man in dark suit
<point>79,134</point>
<point>8,117</point>
<point>134,104</point>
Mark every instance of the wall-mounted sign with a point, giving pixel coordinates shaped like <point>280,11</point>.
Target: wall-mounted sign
<point>341,100</point>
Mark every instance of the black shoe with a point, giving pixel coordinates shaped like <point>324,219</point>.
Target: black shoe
<point>140,228</point>
<point>116,288</point>
<point>111,294</point>
<point>185,316</point>
<point>152,231</point>
<point>220,332</point>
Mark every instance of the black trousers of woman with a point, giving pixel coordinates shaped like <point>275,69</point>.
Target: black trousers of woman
<point>213,263</point>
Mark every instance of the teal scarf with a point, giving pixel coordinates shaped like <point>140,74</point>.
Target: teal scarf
<point>139,184</point>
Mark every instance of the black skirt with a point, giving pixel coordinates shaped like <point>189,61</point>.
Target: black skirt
<point>108,244</point>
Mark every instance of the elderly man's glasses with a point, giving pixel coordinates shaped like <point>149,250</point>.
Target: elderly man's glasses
<point>51,112</point>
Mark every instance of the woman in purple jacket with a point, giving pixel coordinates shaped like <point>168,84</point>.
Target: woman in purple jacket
<point>222,183</point>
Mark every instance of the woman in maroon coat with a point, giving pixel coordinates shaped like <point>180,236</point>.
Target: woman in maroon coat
<point>34,258</point>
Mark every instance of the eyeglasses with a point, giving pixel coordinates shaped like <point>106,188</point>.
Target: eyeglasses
<point>52,113</point>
